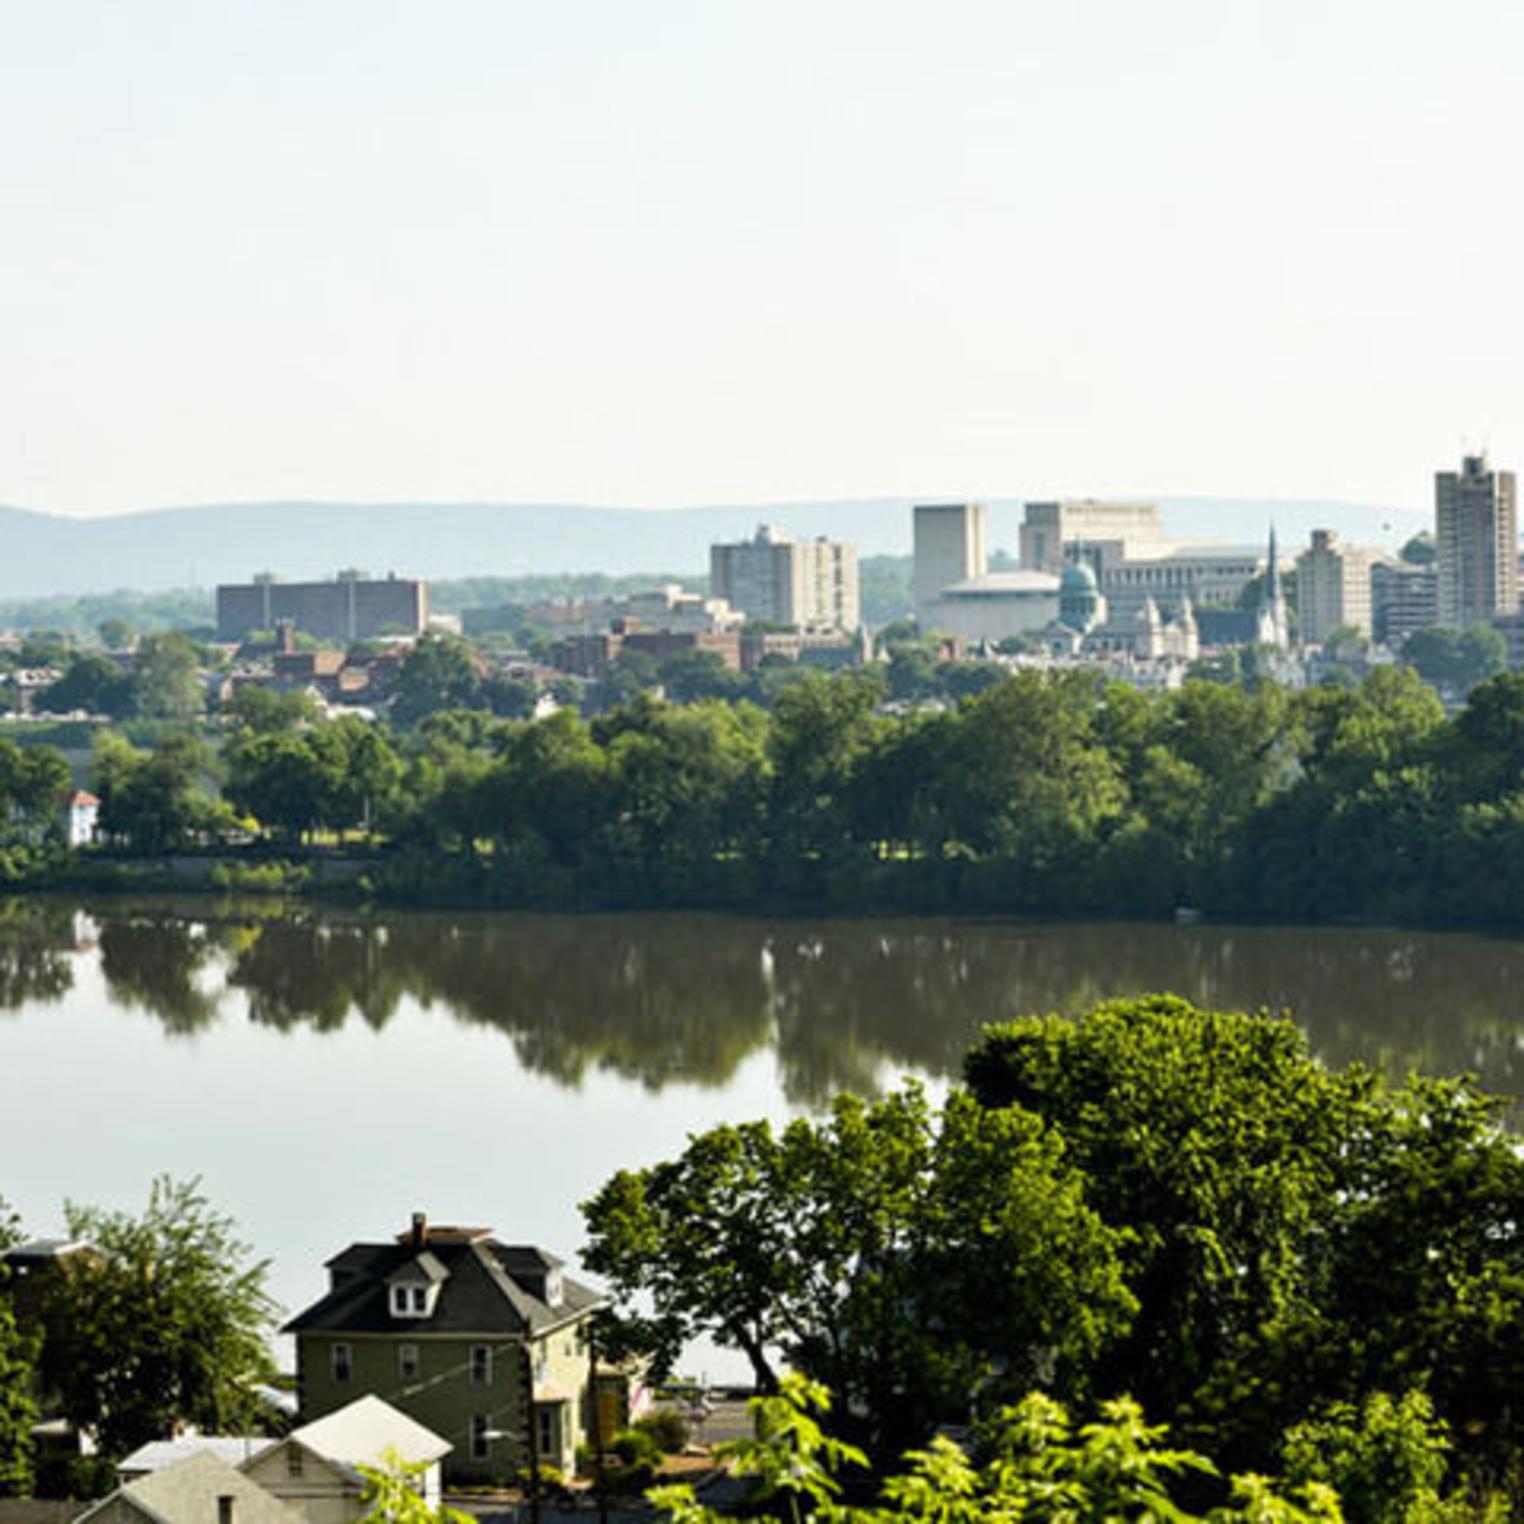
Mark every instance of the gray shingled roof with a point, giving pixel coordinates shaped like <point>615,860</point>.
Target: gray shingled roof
<point>485,1291</point>
<point>423,1269</point>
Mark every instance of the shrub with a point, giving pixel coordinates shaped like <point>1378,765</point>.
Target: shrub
<point>666,1427</point>
<point>636,1447</point>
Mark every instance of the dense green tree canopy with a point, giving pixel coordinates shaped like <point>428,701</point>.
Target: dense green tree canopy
<point>165,1324</point>
<point>155,800</point>
<point>892,1250</point>
<point>1152,1201</point>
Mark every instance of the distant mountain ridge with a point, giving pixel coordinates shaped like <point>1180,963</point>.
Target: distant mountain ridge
<point>43,553</point>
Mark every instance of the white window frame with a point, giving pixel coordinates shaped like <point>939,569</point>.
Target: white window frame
<point>410,1301</point>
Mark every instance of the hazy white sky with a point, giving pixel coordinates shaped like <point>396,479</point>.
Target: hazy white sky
<point>680,251</point>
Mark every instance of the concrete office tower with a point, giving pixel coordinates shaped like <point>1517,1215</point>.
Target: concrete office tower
<point>1403,599</point>
<point>951,546</point>
<point>773,577</point>
<point>351,607</point>
<point>1130,531</point>
<point>1476,535</point>
<point>1333,588</point>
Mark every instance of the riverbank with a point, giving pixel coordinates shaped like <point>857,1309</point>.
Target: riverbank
<point>956,887</point>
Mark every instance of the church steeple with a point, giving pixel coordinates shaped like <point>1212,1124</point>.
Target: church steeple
<point>1274,628</point>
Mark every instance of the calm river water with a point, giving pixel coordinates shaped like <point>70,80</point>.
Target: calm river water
<point>326,1072</point>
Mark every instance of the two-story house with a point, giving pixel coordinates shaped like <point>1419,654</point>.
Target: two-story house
<point>482,1342</point>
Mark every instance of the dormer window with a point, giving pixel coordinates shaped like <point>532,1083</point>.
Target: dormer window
<point>413,1288</point>
<point>413,1301</point>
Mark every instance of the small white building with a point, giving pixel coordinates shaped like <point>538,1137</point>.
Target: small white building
<point>198,1488</point>
<point>312,1476</point>
<point>81,818</point>
<point>315,1469</point>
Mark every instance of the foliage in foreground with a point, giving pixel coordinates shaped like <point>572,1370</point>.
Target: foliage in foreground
<point>1029,1462</point>
<point>392,1495</point>
<point>1180,1206</point>
<point>165,1325</point>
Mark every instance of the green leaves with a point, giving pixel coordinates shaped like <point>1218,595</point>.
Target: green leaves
<point>165,1323</point>
<point>393,1495</point>
<point>1030,1464</point>
<point>892,1251</point>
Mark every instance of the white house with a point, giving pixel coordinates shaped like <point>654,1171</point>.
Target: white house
<point>312,1475</point>
<point>314,1469</point>
<point>81,818</point>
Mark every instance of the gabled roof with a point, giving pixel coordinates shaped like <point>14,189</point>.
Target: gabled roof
<point>363,1431</point>
<point>423,1269</point>
<point>187,1493</point>
<point>492,1289</point>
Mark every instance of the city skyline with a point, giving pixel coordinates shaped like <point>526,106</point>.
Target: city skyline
<point>698,254</point>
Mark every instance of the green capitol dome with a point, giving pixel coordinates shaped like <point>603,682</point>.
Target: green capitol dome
<point>1080,604</point>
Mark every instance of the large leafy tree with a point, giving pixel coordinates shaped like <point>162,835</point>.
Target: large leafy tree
<point>33,780</point>
<point>687,783</point>
<point>906,1255</point>
<point>166,683</point>
<point>1293,1235</point>
<point>439,673</point>
<point>94,682</point>
<point>1215,1142</point>
<point>153,800</point>
<point>165,1324</point>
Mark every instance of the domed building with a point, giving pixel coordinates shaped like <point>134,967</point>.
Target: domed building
<point>1081,604</point>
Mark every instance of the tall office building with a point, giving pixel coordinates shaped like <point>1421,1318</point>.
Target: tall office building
<point>780,580</point>
<point>1333,588</point>
<point>1403,599</point>
<point>1132,531</point>
<point>1476,540</point>
<point>951,546</point>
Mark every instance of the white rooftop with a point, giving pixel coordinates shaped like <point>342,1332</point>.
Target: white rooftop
<point>1003,584</point>
<point>362,1432</point>
<point>233,1449</point>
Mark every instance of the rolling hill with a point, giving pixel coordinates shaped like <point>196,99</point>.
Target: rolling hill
<point>43,553</point>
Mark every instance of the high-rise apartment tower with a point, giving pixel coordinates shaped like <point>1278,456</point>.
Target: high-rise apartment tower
<point>1476,540</point>
<point>780,580</point>
<point>1333,588</point>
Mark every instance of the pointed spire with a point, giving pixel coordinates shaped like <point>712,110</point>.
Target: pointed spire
<point>1273,628</point>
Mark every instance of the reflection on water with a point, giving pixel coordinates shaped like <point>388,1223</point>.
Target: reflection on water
<point>686,998</point>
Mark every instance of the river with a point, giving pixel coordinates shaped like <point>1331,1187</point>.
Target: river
<point>326,1073</point>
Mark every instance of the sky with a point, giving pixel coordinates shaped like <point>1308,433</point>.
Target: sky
<point>668,252</point>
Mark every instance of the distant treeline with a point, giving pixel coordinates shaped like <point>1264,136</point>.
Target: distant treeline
<point>116,615</point>
<point>1046,794</point>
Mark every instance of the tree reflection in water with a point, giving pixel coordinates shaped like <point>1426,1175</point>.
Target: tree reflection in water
<point>666,999</point>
